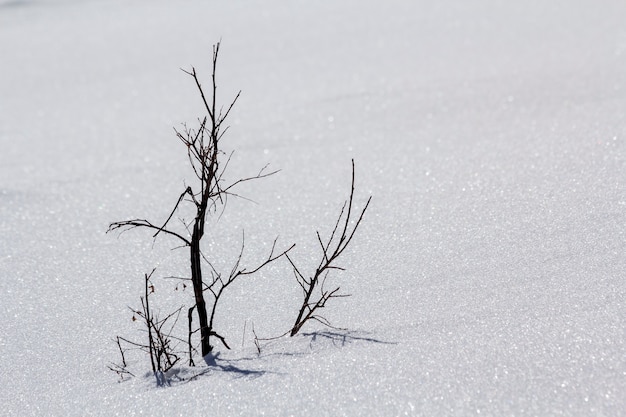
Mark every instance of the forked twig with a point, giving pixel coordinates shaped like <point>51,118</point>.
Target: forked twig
<point>335,246</point>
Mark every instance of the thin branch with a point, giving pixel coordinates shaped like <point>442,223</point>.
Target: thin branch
<point>199,86</point>
<point>271,258</point>
<point>187,191</point>
<point>131,224</point>
<point>222,118</point>
<point>255,177</point>
<point>221,339</point>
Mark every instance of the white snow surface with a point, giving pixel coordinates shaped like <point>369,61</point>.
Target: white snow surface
<point>488,277</point>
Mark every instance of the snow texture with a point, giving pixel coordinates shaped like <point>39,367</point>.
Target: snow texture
<point>488,277</point>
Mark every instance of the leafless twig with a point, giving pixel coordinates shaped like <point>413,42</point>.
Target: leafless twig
<point>338,241</point>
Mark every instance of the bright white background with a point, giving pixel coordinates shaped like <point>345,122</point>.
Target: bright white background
<point>487,278</point>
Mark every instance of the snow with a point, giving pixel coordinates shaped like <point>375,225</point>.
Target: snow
<point>486,279</point>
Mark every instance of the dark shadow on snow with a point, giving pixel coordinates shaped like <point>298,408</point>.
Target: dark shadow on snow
<point>316,340</point>
<point>214,363</point>
<point>237,369</point>
<point>342,338</point>
<point>228,366</point>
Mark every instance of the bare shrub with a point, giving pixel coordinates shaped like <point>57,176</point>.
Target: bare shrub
<point>160,344</point>
<point>208,194</point>
<point>336,244</point>
<point>209,164</point>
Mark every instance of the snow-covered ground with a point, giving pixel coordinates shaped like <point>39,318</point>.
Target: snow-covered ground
<point>488,277</point>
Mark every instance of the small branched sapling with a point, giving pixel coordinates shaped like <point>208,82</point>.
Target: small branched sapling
<point>209,163</point>
<point>336,244</point>
<point>160,344</point>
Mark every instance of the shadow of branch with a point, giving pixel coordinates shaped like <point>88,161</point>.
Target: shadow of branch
<point>214,363</point>
<point>343,338</point>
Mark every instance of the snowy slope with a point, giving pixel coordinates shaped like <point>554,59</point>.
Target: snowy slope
<point>487,278</point>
